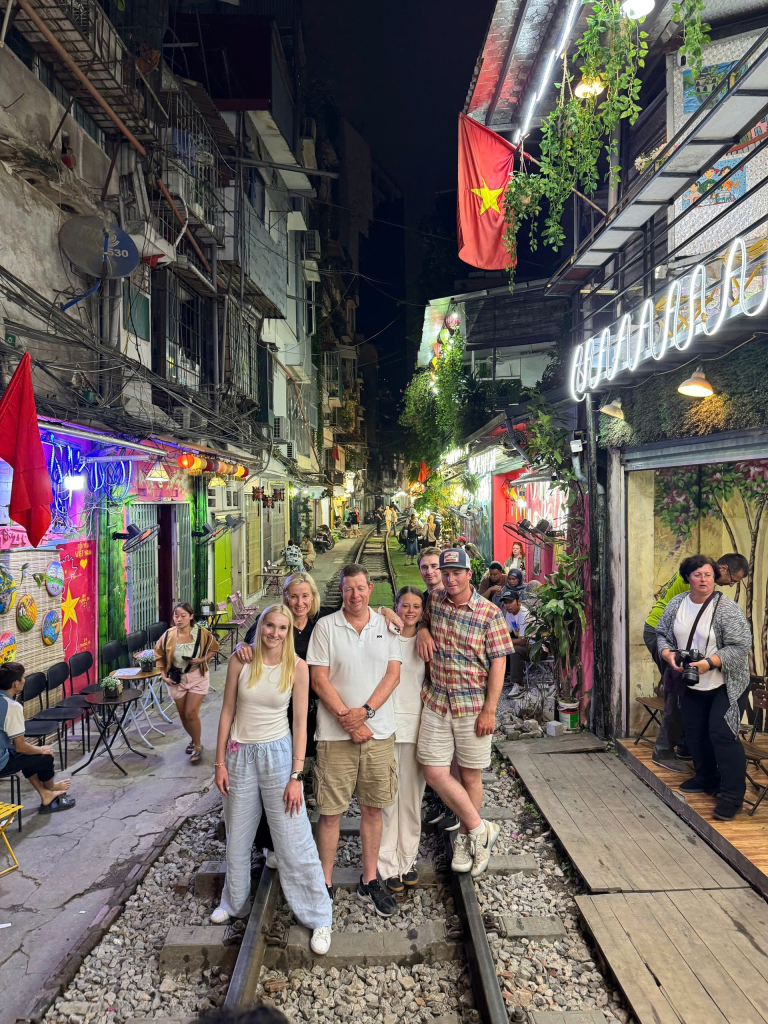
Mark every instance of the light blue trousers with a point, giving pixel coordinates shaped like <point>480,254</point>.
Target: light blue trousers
<point>258,774</point>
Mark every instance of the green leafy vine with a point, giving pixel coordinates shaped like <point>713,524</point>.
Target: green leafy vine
<point>688,13</point>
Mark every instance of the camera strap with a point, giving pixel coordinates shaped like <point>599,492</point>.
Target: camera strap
<point>696,621</point>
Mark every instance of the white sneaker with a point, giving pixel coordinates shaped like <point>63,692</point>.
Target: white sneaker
<point>462,857</point>
<point>220,916</point>
<point>320,942</point>
<point>482,846</point>
<point>271,859</point>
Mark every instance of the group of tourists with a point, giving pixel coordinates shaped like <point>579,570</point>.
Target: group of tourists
<point>387,701</point>
<point>700,641</point>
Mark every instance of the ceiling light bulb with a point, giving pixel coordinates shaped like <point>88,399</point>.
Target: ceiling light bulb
<point>635,9</point>
<point>75,482</point>
<point>697,385</point>
<point>589,87</point>
<point>613,409</point>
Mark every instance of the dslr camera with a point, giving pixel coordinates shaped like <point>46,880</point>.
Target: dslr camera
<point>686,660</point>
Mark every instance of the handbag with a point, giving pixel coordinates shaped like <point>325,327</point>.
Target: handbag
<point>672,680</point>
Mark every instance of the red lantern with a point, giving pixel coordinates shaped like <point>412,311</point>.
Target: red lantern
<point>210,466</point>
<point>186,461</point>
<point>246,473</point>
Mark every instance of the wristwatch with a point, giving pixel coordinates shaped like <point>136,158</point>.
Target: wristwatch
<point>298,776</point>
<point>710,663</point>
<point>369,710</point>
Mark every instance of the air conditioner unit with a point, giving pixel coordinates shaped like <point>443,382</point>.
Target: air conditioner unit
<point>313,244</point>
<point>290,450</point>
<point>280,428</point>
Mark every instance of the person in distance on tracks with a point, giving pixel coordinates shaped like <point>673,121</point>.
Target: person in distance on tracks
<point>355,666</point>
<point>402,820</point>
<point>466,642</point>
<point>259,769</point>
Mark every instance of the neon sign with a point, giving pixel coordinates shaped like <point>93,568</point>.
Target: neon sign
<point>648,333</point>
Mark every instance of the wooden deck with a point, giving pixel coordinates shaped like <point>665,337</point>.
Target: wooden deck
<point>619,835</point>
<point>693,957</point>
<point>743,842</point>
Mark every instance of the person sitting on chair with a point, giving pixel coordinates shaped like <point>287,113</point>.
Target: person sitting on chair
<point>17,755</point>
<point>515,615</point>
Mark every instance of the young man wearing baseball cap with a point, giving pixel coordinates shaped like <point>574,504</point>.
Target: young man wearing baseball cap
<point>466,642</point>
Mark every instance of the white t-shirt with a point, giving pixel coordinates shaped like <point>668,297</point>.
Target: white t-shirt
<point>703,638</point>
<point>356,664</point>
<point>407,695</point>
<point>516,622</point>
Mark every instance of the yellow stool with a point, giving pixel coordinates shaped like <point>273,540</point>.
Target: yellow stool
<point>7,814</point>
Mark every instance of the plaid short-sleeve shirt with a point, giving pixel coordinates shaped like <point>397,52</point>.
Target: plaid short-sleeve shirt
<point>467,637</point>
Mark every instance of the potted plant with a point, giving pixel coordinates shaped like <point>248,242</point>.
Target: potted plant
<point>556,628</point>
<point>146,660</point>
<point>111,687</point>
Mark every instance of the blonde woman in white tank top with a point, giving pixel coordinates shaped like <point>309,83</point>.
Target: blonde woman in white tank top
<point>259,770</point>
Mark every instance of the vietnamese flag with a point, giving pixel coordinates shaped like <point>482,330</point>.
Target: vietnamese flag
<point>21,447</point>
<point>485,167</point>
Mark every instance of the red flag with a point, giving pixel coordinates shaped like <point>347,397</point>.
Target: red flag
<point>21,447</point>
<point>335,453</point>
<point>423,471</point>
<point>485,167</point>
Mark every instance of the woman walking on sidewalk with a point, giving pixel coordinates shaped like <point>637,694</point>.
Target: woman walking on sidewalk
<point>401,822</point>
<point>259,769</point>
<point>182,654</point>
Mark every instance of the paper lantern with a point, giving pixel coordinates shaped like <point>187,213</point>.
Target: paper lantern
<point>246,473</point>
<point>186,461</point>
<point>257,493</point>
<point>444,335</point>
<point>211,466</point>
<point>453,320</point>
<point>437,348</point>
<point>239,471</point>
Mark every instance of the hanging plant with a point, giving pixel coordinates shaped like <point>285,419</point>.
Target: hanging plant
<point>522,201</point>
<point>695,32</point>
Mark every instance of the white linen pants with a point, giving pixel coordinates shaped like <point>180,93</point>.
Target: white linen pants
<point>401,822</point>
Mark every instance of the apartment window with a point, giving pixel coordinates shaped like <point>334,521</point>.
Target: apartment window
<point>332,368</point>
<point>136,317</point>
<point>189,324</point>
<point>266,380</point>
<point>243,354</point>
<point>256,192</point>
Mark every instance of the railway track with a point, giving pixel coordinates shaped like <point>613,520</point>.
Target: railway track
<point>271,944</point>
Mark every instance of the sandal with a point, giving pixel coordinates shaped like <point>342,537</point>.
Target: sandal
<point>189,748</point>
<point>197,755</point>
<point>59,803</point>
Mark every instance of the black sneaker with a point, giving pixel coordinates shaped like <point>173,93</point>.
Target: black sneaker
<point>435,811</point>
<point>695,786</point>
<point>683,755</point>
<point>411,878</point>
<point>449,822</point>
<point>382,902</point>
<point>394,884</point>
<point>726,810</point>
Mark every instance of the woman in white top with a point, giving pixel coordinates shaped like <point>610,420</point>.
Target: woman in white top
<point>262,769</point>
<point>401,822</point>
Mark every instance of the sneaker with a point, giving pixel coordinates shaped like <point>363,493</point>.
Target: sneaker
<point>320,942</point>
<point>382,902</point>
<point>271,859</point>
<point>411,878</point>
<point>670,764</point>
<point>462,858</point>
<point>220,916</point>
<point>394,884</point>
<point>435,811</point>
<point>449,822</point>
<point>695,786</point>
<point>482,846</point>
<point>683,754</point>
<point>726,810</point>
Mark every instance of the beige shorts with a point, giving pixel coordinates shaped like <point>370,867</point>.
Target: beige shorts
<point>442,737</point>
<point>368,770</point>
<point>191,682</point>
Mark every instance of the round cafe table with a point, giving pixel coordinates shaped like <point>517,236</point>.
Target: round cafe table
<point>150,697</point>
<point>105,715</point>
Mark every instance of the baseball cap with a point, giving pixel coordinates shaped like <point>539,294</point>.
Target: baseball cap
<point>454,558</point>
<point>461,540</point>
<point>510,594</point>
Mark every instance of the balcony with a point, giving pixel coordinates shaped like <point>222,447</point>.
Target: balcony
<point>92,41</point>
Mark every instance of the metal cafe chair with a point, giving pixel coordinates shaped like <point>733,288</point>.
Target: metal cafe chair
<point>35,685</point>
<point>80,665</point>
<point>155,631</point>
<point>135,642</point>
<point>68,711</point>
<point>15,780</point>
<point>112,653</point>
<point>757,756</point>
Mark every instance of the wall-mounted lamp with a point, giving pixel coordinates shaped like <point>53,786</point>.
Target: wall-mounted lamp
<point>613,409</point>
<point>697,385</point>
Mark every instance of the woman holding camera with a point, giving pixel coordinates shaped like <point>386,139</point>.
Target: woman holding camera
<point>704,639</point>
<point>182,654</point>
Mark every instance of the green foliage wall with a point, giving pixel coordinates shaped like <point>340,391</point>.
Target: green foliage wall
<point>655,410</point>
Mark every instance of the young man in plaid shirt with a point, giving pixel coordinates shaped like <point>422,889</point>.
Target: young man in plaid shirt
<point>466,642</point>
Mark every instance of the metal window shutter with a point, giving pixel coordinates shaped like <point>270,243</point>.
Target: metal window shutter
<point>142,572</point>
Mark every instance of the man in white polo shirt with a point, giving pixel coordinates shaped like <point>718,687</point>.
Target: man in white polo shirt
<point>355,667</point>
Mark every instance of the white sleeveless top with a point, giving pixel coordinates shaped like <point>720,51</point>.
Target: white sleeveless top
<point>261,712</point>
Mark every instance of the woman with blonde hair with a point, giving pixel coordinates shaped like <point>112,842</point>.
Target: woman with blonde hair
<point>259,770</point>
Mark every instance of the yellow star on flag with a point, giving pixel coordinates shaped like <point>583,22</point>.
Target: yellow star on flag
<point>489,198</point>
<point>68,608</point>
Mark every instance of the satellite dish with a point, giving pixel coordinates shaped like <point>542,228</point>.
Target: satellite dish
<point>135,537</point>
<point>82,242</point>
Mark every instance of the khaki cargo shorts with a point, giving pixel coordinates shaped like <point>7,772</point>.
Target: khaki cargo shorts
<point>442,736</point>
<point>368,770</point>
